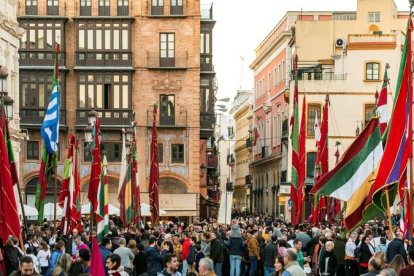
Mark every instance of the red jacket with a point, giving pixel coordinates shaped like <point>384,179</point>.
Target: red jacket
<point>186,249</point>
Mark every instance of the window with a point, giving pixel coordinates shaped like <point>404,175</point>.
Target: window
<point>205,51</point>
<point>53,7</point>
<point>167,110</point>
<point>369,110</point>
<point>177,153</point>
<point>104,9</point>
<point>372,71</point>
<point>104,91</point>
<point>275,131</point>
<point>280,74</point>
<point>167,50</point>
<point>283,71</point>
<point>31,7</point>
<point>112,150</point>
<point>176,7</point>
<point>205,43</point>
<point>157,7</point>
<point>257,90</point>
<point>310,165</point>
<point>374,17</point>
<point>123,8</point>
<point>41,35</point>
<point>160,153</point>
<point>313,109</point>
<point>32,150</point>
<point>207,103</point>
<point>268,134</point>
<point>269,87</point>
<point>275,76</point>
<point>85,7</point>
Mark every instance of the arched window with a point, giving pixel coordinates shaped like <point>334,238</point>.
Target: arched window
<point>30,190</point>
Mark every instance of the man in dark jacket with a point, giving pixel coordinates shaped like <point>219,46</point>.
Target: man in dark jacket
<point>269,256</point>
<point>216,254</point>
<point>154,259</point>
<point>396,246</point>
<point>236,250</point>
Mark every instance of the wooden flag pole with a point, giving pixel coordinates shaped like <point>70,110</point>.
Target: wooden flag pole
<point>55,193</point>
<point>389,214</point>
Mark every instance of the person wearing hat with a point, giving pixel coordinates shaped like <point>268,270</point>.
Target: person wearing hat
<point>236,250</point>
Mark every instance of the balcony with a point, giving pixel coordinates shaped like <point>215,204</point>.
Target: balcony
<point>112,117</point>
<point>230,159</point>
<point>179,61</point>
<point>212,161</point>
<point>33,117</point>
<point>206,63</point>
<point>371,41</point>
<point>285,130</point>
<point>123,59</point>
<point>319,76</point>
<point>206,12</point>
<point>176,120</point>
<point>207,120</point>
<point>39,58</point>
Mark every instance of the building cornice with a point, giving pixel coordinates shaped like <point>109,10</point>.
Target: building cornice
<point>11,26</point>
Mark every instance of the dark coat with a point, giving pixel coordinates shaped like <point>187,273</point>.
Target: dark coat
<point>365,254</point>
<point>140,263</point>
<point>191,255</point>
<point>332,262</point>
<point>236,246</point>
<point>155,261</point>
<point>396,246</point>
<point>269,254</point>
<point>407,271</point>
<point>216,251</point>
<point>11,259</point>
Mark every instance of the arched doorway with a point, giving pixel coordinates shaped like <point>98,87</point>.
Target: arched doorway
<point>31,186</point>
<point>170,185</point>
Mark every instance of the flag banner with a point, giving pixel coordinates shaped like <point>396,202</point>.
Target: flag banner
<point>351,178</point>
<point>295,147</point>
<point>302,163</point>
<point>382,103</point>
<point>9,216</point>
<point>45,173</point>
<point>405,204</point>
<point>97,265</point>
<point>154,172</point>
<point>102,217</point>
<point>76,209</point>
<point>398,147</point>
<point>124,164</point>
<point>226,200</point>
<point>135,180</point>
<point>95,177</point>
<point>13,168</point>
<point>125,198</point>
<point>66,196</point>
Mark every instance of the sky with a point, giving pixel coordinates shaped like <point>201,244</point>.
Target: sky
<point>242,24</point>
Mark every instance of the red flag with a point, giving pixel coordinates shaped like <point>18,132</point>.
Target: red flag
<point>97,267</point>
<point>9,217</point>
<point>135,180</point>
<point>382,103</point>
<point>302,163</point>
<point>295,147</point>
<point>76,209</point>
<point>405,204</point>
<point>323,144</point>
<point>154,173</point>
<point>95,170</point>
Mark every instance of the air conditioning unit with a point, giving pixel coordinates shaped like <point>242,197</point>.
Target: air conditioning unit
<point>340,43</point>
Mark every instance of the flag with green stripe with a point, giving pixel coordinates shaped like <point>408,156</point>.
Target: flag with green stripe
<point>102,218</point>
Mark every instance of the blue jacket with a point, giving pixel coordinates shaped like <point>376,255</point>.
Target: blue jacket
<point>54,258</point>
<point>154,260</point>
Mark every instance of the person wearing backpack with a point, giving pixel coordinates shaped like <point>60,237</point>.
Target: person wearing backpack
<point>350,261</point>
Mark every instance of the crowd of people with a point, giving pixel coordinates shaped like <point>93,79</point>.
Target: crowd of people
<point>250,246</point>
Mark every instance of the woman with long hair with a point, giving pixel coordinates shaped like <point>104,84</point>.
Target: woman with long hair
<point>279,266</point>
<point>43,256</point>
<point>365,255</point>
<point>380,256</point>
<point>397,264</point>
<point>63,266</point>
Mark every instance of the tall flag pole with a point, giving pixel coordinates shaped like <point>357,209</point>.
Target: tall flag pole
<point>313,219</point>
<point>125,196</point>
<point>302,164</point>
<point>398,148</point>
<point>102,216</point>
<point>135,179</point>
<point>66,196</point>
<point>76,207</point>
<point>154,172</point>
<point>295,147</point>
<point>50,135</point>
<point>382,102</point>
<point>95,177</point>
<point>9,217</point>
<point>123,163</point>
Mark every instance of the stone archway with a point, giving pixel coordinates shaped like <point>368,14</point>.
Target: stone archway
<point>30,190</point>
<point>171,185</point>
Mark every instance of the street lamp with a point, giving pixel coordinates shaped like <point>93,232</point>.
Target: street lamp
<point>92,116</point>
<point>226,100</point>
<point>88,134</point>
<point>128,134</point>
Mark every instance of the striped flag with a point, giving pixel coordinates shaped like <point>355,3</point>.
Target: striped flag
<point>66,196</point>
<point>125,198</point>
<point>95,177</point>
<point>102,217</point>
<point>302,162</point>
<point>295,147</point>
<point>135,180</point>
<point>352,177</point>
<point>50,135</point>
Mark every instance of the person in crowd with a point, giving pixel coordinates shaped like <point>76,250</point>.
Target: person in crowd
<point>170,265</point>
<point>85,259</point>
<point>105,248</point>
<point>206,267</point>
<point>396,246</point>
<point>76,269</point>
<point>397,264</point>
<point>292,267</point>
<point>29,252</point>
<point>328,260</point>
<point>140,262</point>
<point>216,253</point>
<point>205,244</point>
<point>254,251</point>
<point>365,255</point>
<point>236,250</point>
<point>11,256</point>
<point>269,256</point>
<point>154,258</point>
<point>350,260</point>
<point>303,236</point>
<point>387,272</point>
<point>279,266</point>
<point>380,256</point>
<point>63,266</point>
<point>126,255</point>
<point>113,265</point>
<point>44,256</point>
<point>185,251</point>
<point>374,267</point>
<point>80,244</point>
<point>409,270</point>
<point>199,256</point>
<point>167,247</point>
<point>132,244</point>
<point>26,267</point>
<point>382,246</point>
<point>58,249</point>
<point>297,244</point>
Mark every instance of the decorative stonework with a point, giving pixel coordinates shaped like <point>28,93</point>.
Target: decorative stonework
<point>10,25</point>
<point>167,84</point>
